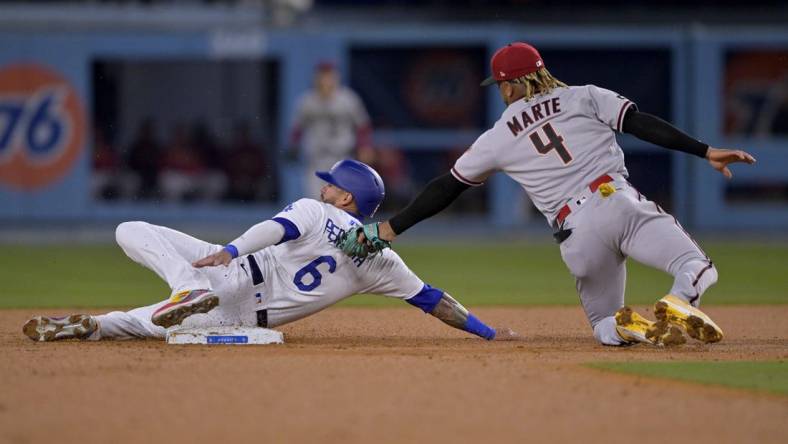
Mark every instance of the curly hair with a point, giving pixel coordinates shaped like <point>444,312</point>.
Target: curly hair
<point>538,82</point>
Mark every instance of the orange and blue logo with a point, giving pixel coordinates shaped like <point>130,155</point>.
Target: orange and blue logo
<point>42,126</point>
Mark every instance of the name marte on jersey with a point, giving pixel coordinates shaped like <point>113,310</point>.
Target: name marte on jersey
<point>533,114</point>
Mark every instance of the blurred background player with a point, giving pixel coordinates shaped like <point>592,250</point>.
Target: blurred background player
<point>278,271</point>
<point>330,124</point>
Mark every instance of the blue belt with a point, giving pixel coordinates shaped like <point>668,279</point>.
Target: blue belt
<point>257,278</point>
<point>257,275</point>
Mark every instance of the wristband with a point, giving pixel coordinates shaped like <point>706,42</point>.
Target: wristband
<point>230,248</point>
<point>479,328</point>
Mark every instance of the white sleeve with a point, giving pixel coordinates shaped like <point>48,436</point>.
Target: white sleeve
<point>300,219</point>
<point>388,275</point>
<point>478,162</point>
<point>260,236</point>
<point>609,107</point>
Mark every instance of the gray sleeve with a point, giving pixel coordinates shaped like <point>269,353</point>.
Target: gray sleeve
<point>478,162</point>
<point>358,111</point>
<point>609,107</point>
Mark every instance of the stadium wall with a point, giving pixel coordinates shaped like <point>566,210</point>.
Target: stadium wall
<point>46,88</point>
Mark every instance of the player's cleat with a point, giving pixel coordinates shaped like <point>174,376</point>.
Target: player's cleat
<point>633,327</point>
<point>184,304</point>
<point>698,325</point>
<point>44,329</point>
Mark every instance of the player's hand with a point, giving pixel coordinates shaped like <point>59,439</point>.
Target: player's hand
<point>380,231</point>
<point>719,159</point>
<point>223,257</point>
<point>506,334</point>
<point>350,245</point>
<point>373,237</point>
<point>363,241</point>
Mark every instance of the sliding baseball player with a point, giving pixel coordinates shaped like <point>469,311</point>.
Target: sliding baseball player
<point>279,271</point>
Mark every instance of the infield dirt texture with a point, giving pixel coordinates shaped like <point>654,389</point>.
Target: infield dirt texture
<point>369,375</point>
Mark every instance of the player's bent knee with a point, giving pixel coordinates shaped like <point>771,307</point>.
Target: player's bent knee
<point>605,332</point>
<point>127,232</point>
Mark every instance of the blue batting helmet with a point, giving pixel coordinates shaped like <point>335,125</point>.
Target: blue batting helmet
<point>358,179</point>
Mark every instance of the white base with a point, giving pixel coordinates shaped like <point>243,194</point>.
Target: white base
<point>225,336</point>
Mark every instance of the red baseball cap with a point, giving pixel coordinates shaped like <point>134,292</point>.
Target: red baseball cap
<point>512,61</point>
<point>325,65</point>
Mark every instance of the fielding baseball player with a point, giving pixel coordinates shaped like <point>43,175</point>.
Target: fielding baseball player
<point>559,143</point>
<point>279,271</point>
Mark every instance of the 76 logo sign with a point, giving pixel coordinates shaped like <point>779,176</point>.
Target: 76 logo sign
<point>34,123</point>
<point>42,127</point>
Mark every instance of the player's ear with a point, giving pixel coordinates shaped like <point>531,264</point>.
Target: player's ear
<point>507,91</point>
<point>347,199</point>
<point>352,203</point>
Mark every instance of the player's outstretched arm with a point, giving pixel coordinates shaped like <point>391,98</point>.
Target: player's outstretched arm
<point>453,313</point>
<point>659,132</point>
<point>433,199</point>
<point>260,236</point>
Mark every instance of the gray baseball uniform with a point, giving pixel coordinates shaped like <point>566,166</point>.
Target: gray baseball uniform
<point>561,147</point>
<point>329,130</point>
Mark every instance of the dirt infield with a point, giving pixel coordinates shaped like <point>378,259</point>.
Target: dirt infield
<point>362,375</point>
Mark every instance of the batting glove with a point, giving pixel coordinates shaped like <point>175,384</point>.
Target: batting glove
<point>374,242</point>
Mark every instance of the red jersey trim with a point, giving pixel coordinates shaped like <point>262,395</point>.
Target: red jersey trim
<point>621,113</point>
<point>459,177</point>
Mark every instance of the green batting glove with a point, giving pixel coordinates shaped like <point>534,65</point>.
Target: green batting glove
<point>374,242</point>
<point>348,243</point>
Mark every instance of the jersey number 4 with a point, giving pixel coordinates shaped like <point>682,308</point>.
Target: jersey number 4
<point>554,142</point>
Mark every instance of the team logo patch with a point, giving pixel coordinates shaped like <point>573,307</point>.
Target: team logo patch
<point>42,126</point>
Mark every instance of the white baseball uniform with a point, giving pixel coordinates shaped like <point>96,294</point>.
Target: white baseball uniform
<point>555,145</point>
<point>301,275</point>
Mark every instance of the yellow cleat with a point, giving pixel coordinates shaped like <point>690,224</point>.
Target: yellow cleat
<point>675,311</point>
<point>633,327</point>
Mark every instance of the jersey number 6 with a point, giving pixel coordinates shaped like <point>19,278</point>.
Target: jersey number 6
<point>312,270</point>
<point>554,142</point>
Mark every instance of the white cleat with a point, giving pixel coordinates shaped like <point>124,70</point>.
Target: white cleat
<point>45,329</point>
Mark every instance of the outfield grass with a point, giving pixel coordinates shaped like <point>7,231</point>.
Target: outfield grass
<point>477,274</point>
<point>768,376</point>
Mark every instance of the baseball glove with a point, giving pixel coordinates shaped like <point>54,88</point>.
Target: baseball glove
<point>349,244</point>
